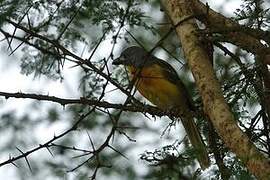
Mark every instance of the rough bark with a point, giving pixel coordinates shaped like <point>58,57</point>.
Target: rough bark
<point>214,104</point>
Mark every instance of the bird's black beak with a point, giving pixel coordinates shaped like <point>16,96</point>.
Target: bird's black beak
<point>118,61</point>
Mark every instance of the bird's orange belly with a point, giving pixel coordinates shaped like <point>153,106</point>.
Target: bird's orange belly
<point>159,91</point>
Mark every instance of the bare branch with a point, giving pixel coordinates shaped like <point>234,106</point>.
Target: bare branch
<point>91,102</point>
<point>47,144</point>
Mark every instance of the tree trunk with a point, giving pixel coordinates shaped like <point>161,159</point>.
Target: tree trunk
<point>214,103</point>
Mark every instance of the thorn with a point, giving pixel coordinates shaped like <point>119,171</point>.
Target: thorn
<point>92,143</point>
<point>14,164</point>
<point>118,151</point>
<point>25,157</point>
<point>28,164</point>
<point>50,151</point>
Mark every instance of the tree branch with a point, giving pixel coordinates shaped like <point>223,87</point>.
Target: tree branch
<point>47,144</point>
<point>214,103</point>
<point>244,37</point>
<point>90,102</point>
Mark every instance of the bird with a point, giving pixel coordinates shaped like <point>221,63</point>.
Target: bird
<point>157,81</point>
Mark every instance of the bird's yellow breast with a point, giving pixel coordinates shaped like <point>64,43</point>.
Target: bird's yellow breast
<point>155,87</point>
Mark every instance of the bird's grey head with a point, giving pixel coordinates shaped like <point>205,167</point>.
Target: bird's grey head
<point>133,56</point>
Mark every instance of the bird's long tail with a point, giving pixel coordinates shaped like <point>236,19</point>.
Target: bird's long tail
<point>196,141</point>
